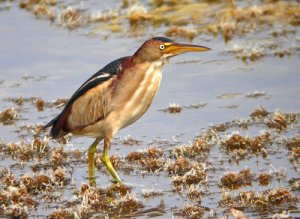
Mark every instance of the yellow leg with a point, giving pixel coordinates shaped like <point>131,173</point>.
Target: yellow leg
<point>91,153</point>
<point>107,163</point>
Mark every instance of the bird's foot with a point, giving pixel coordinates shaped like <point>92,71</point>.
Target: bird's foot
<point>92,181</point>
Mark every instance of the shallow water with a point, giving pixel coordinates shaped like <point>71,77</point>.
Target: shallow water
<point>40,59</point>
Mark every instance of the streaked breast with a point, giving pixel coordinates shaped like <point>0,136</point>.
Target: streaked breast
<point>145,84</point>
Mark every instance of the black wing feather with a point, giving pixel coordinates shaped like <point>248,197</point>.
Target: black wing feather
<point>107,72</point>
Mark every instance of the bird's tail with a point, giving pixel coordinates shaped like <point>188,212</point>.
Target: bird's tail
<point>56,128</point>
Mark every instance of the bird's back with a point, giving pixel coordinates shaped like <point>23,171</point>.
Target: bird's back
<point>60,124</point>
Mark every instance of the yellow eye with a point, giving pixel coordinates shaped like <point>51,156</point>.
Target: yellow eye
<point>162,47</point>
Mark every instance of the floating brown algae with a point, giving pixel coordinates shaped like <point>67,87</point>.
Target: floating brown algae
<point>37,183</point>
<point>264,179</point>
<point>70,18</point>
<point>280,120</point>
<point>172,108</point>
<point>128,140</point>
<point>60,177</point>
<point>198,147</point>
<point>116,200</point>
<point>282,52</point>
<point>259,112</point>
<point>237,214</point>
<point>120,189</point>
<point>19,100</point>
<point>16,202</point>
<point>40,104</point>
<point>8,178</point>
<point>293,146</point>
<point>260,201</point>
<point>44,11</point>
<point>151,192</point>
<point>58,156</point>
<point>154,152</point>
<point>236,141</point>
<point>135,156</point>
<point>181,32</point>
<point>61,213</point>
<point>194,192</point>
<point>141,156</point>
<point>180,166</point>
<point>228,19</point>
<point>234,180</point>
<point>150,159</point>
<point>40,8</point>
<point>192,211</point>
<point>26,150</point>
<point>187,173</point>
<point>115,161</point>
<point>128,204</point>
<point>242,144</point>
<point>9,116</point>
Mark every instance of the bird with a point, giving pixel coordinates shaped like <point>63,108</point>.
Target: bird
<point>115,97</point>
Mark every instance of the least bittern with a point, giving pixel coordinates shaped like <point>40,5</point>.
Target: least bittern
<point>116,96</point>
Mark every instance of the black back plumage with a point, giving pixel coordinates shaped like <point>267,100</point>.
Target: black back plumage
<point>101,76</point>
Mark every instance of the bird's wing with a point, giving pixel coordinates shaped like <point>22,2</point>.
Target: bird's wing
<point>87,105</point>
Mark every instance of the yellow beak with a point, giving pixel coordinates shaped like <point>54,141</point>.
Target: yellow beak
<point>179,48</point>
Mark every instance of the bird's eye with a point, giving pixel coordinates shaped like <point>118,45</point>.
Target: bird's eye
<point>162,47</point>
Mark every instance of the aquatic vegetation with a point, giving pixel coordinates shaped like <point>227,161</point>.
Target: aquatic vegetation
<point>186,166</point>
<point>259,112</point>
<point>139,156</point>
<point>232,18</point>
<point>61,213</point>
<point>128,204</point>
<point>16,202</point>
<point>260,201</point>
<point>151,192</point>
<point>264,178</point>
<point>118,189</point>
<point>198,147</point>
<point>282,52</point>
<point>240,147</point>
<point>58,156</point>
<point>150,159</point>
<point>172,108</point>
<point>40,104</point>
<point>26,150</point>
<point>237,214</point>
<point>188,19</point>
<point>70,18</point>
<point>293,146</point>
<point>128,140</point>
<point>9,116</point>
<point>234,180</point>
<point>194,192</point>
<point>182,32</point>
<point>280,120</point>
<point>117,200</point>
<point>188,174</point>
<point>251,50</point>
<point>180,166</point>
<point>192,211</point>
<point>177,108</point>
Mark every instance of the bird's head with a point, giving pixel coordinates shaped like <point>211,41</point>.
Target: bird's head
<point>161,48</point>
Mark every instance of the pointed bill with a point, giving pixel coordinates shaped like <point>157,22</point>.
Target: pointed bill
<point>179,48</point>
